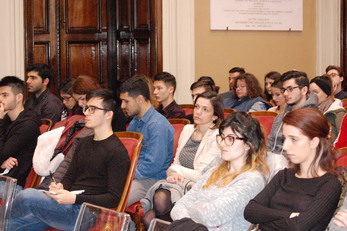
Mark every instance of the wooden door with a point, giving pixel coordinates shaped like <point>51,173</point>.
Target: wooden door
<point>110,40</point>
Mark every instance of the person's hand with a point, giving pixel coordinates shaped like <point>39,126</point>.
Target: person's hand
<point>9,163</point>
<point>63,197</point>
<point>341,218</point>
<point>53,187</point>
<point>294,215</point>
<point>2,111</point>
<point>175,178</point>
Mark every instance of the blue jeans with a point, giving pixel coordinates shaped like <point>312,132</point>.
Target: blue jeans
<point>34,210</point>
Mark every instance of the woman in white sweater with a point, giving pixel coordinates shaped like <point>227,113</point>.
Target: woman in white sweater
<point>197,147</point>
<point>219,197</point>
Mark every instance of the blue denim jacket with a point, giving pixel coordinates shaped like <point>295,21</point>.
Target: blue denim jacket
<point>157,144</point>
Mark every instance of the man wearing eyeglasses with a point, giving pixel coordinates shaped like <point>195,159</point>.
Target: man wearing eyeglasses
<point>96,175</point>
<point>158,133</point>
<point>336,75</point>
<point>233,74</point>
<point>295,90</point>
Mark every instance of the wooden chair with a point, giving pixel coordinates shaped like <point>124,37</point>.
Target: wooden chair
<point>187,108</point>
<point>95,218</point>
<point>344,102</point>
<point>9,185</point>
<point>132,142</point>
<point>178,125</point>
<point>179,121</point>
<point>158,225</point>
<point>263,113</point>
<point>228,111</point>
<point>46,125</point>
<point>266,119</point>
<point>342,151</point>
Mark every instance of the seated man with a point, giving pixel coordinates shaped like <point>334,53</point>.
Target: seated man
<point>19,130</point>
<point>45,103</point>
<point>336,75</point>
<point>156,152</point>
<point>164,89</point>
<point>99,168</point>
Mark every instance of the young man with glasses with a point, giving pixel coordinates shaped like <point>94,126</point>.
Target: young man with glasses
<point>336,75</point>
<point>295,90</point>
<point>96,175</point>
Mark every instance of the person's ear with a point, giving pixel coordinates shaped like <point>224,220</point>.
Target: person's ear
<point>314,142</point>
<point>109,114</point>
<point>45,81</point>
<point>171,89</point>
<point>19,97</point>
<point>304,90</point>
<point>139,99</point>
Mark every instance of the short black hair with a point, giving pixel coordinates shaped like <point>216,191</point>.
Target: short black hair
<point>241,70</point>
<point>167,78</point>
<point>43,70</point>
<point>106,95</point>
<point>300,77</point>
<point>135,86</point>
<point>66,87</point>
<point>17,85</point>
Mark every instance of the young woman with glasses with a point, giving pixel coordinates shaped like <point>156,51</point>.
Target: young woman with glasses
<point>197,147</point>
<point>305,196</point>
<point>219,197</point>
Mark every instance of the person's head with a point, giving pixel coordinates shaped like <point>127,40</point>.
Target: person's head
<point>65,92</point>
<point>201,86</point>
<point>243,149</point>
<point>268,81</point>
<point>233,74</point>
<point>150,84</point>
<point>38,78</point>
<point>164,87</point>
<point>82,86</point>
<point>246,85</point>
<point>306,143</point>
<point>134,93</point>
<point>295,87</point>
<point>208,109</point>
<point>11,92</point>
<point>277,95</point>
<point>99,108</point>
<point>209,79</point>
<point>322,87</point>
<point>336,75</point>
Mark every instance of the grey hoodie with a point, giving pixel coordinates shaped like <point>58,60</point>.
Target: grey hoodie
<point>275,139</point>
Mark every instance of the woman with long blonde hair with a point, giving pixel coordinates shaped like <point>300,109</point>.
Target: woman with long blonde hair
<point>218,199</point>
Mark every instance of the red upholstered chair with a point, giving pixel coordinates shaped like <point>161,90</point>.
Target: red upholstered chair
<point>47,125</point>
<point>341,140</point>
<point>187,108</point>
<point>228,111</point>
<point>341,161</point>
<point>266,119</point>
<point>178,125</point>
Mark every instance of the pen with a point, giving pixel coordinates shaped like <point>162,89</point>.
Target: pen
<point>51,174</point>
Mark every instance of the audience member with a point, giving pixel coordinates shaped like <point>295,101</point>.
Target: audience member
<point>156,152</point>
<point>295,91</point>
<point>336,75</point>
<point>42,101</point>
<point>164,90</point>
<point>219,197</point>
<point>150,84</point>
<point>210,80</point>
<point>246,95</point>
<point>303,197</point>
<point>277,97</point>
<point>99,168</point>
<point>19,129</point>
<point>197,147</point>
<point>269,79</point>
<point>233,74</point>
<point>85,84</point>
<point>331,108</point>
<point>70,105</point>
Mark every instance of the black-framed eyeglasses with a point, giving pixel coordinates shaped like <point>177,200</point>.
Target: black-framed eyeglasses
<point>228,140</point>
<point>66,98</point>
<point>91,109</point>
<point>289,89</point>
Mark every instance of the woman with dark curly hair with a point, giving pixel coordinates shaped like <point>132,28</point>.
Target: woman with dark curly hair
<point>247,95</point>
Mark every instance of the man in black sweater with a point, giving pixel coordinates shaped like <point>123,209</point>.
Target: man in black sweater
<point>19,130</point>
<point>97,175</point>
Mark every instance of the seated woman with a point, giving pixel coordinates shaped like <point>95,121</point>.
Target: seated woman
<point>246,95</point>
<point>269,79</point>
<point>330,107</point>
<point>303,197</point>
<point>218,198</point>
<point>85,84</point>
<point>70,105</point>
<point>197,147</point>
<point>277,97</point>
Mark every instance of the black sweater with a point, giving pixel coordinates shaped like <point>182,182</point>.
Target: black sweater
<point>315,199</point>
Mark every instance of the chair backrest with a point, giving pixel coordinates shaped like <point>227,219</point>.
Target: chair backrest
<point>179,121</point>
<point>178,125</point>
<point>47,122</point>
<point>132,142</point>
<point>341,161</point>
<point>342,151</point>
<point>158,225</point>
<point>344,102</point>
<point>228,111</point>
<point>95,218</point>
<point>266,123</point>
<point>263,113</point>
<point>8,185</point>
<point>33,179</point>
<point>187,108</point>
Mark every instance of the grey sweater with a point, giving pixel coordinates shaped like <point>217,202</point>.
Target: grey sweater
<point>220,208</point>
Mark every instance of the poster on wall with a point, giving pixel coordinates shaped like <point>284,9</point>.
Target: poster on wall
<point>276,15</point>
